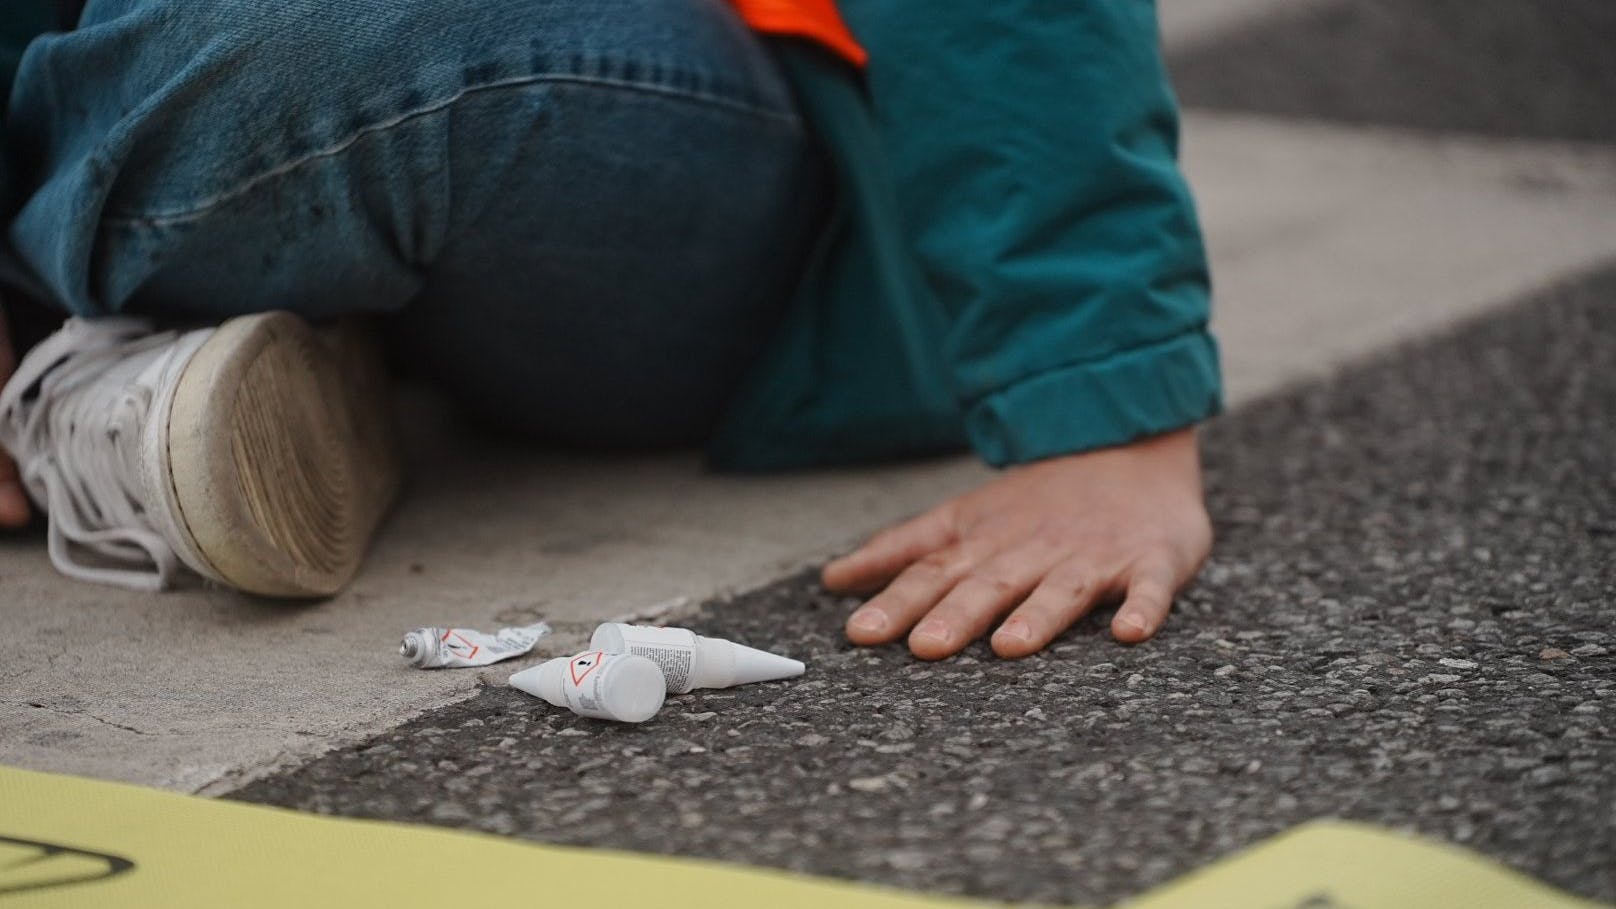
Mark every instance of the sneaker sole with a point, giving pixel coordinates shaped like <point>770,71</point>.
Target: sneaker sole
<point>280,454</point>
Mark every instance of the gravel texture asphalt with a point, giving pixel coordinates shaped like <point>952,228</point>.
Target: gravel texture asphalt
<point>1497,67</point>
<point>1408,621</point>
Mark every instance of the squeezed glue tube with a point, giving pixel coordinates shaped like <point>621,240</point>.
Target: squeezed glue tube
<point>449,648</point>
<point>605,686</point>
<point>688,660</point>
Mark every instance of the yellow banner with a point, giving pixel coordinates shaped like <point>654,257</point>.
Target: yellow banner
<point>69,842</point>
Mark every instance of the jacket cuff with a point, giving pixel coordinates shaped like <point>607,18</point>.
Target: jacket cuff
<point>1135,393</point>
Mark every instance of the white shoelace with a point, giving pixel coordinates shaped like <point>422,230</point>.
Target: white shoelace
<point>73,417</point>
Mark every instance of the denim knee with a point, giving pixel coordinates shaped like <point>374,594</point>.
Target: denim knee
<point>189,110</point>
<point>254,85</point>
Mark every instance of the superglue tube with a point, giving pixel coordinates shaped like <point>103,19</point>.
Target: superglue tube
<point>605,686</point>
<point>688,660</point>
<point>448,648</point>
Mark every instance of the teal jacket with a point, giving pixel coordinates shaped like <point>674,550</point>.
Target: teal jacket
<point>1013,260</point>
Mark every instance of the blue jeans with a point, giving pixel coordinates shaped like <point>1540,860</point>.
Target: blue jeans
<point>581,217</point>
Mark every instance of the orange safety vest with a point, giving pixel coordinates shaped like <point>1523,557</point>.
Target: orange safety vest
<point>816,20</point>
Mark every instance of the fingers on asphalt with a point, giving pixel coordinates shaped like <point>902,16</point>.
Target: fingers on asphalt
<point>945,597</point>
<point>980,599</point>
<point>1150,597</point>
<point>891,613</point>
<point>1065,595</point>
<point>886,555</point>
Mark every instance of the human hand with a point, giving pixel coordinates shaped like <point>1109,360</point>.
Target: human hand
<point>1045,542</point>
<point>13,501</point>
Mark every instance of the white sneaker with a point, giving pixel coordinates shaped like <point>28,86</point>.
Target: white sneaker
<point>259,454</point>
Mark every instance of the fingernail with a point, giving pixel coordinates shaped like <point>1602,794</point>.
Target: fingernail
<point>868,622</point>
<point>1014,630</point>
<point>1129,620</point>
<point>934,632</point>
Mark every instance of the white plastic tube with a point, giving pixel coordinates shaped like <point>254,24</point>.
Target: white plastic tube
<point>447,648</point>
<point>606,686</point>
<point>688,660</point>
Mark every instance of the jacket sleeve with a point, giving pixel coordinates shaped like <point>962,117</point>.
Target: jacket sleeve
<point>1033,144</point>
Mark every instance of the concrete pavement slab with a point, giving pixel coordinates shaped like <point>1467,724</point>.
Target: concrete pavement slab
<point>1408,621</point>
<point>1330,242</point>
<point>187,689</point>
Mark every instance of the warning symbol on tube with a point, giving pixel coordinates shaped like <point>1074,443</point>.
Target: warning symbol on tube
<point>583,664</point>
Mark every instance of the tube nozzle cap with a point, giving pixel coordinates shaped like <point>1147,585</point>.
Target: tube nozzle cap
<point>746,665</point>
